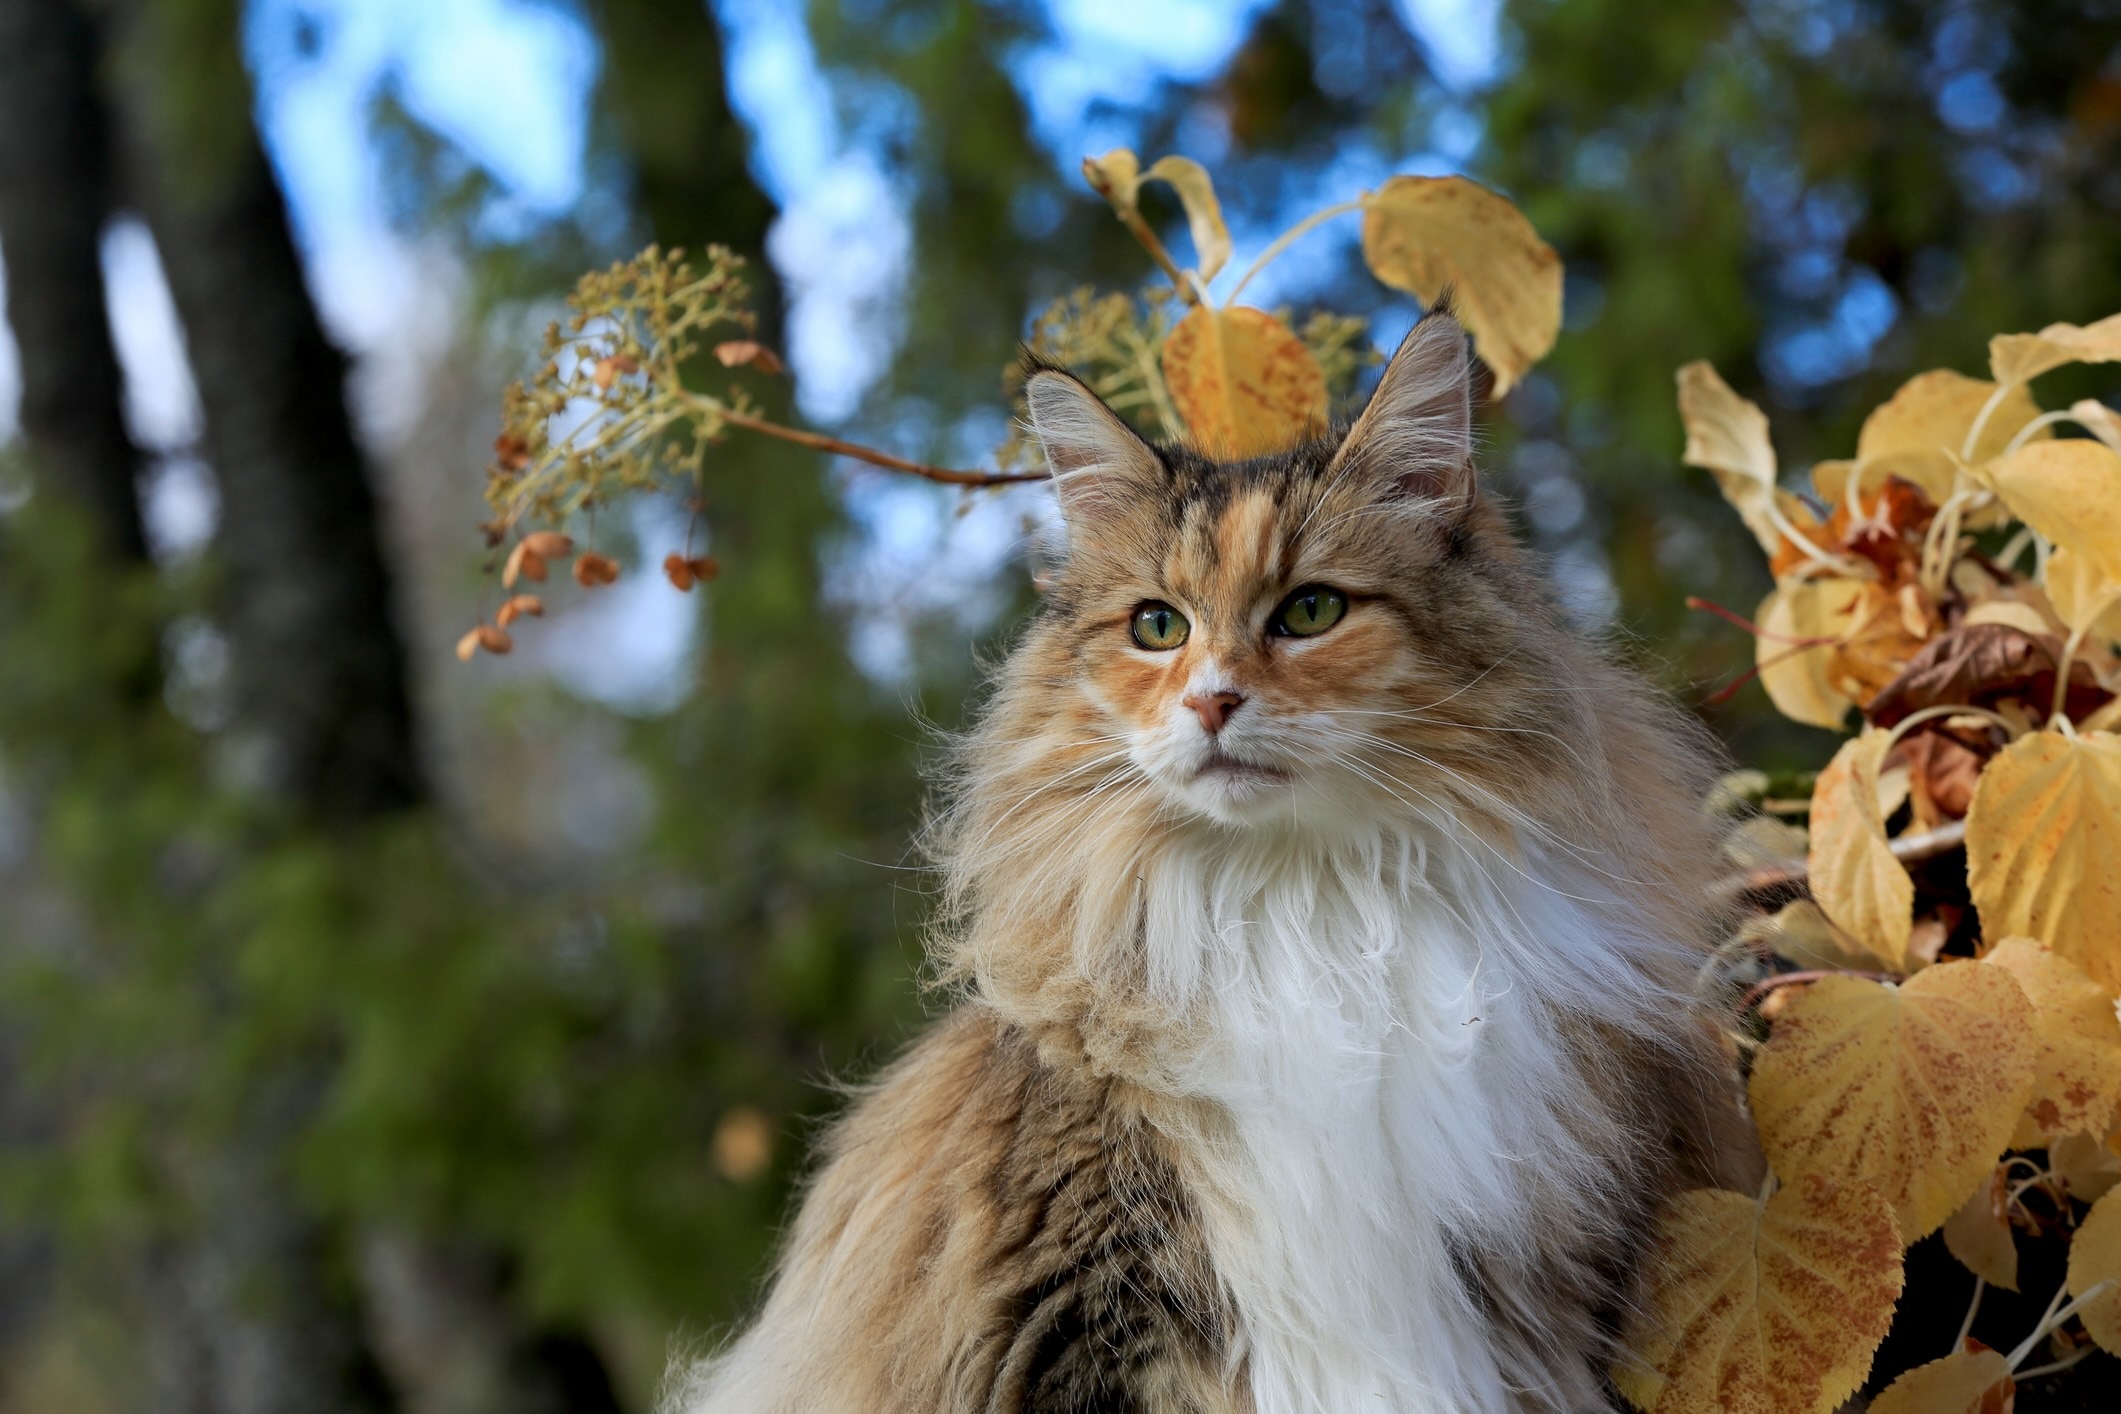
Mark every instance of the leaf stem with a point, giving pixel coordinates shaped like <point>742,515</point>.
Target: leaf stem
<point>1289,237</point>
<point>1973,1308</point>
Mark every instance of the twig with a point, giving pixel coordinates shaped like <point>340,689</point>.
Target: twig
<point>1131,218</point>
<point>819,442</point>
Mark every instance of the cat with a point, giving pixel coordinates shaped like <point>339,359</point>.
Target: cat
<point>1324,915</point>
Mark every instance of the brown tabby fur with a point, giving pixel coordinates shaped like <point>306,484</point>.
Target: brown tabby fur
<point>1015,1216</point>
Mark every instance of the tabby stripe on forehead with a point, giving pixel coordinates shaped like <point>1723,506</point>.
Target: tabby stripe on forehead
<point>1248,528</point>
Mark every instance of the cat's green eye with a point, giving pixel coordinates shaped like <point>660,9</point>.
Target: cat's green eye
<point>1310,610</point>
<point>1158,627</point>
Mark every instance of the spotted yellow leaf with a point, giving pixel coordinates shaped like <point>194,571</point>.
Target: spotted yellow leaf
<point>2068,489</point>
<point>2095,1264</point>
<point>2014,358</point>
<point>1912,1087</point>
<point>1118,175</point>
<point>1428,234</point>
<point>1854,876</point>
<point>2077,1077</point>
<point>1800,623</point>
<point>1771,1308</point>
<point>1243,381</point>
<point>2043,847</point>
<point>1975,1380</point>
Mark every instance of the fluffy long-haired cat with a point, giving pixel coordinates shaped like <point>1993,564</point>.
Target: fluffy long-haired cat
<point>1325,914</point>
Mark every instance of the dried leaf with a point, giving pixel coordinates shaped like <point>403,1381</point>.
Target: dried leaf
<point>1428,234</point>
<point>1854,876</point>
<point>1119,176</point>
<point>1979,1234</point>
<point>2077,1080</point>
<point>2089,1168</point>
<point>734,353</point>
<point>1243,381</point>
<point>1885,632</point>
<point>2043,847</point>
<point>1794,675</point>
<point>1942,774</point>
<point>2069,490</point>
<point>1912,1087</point>
<point>2095,1261</point>
<point>1771,1308</point>
<point>592,569</point>
<point>523,563</point>
<point>2015,358</point>
<point>1917,435</point>
<point>1975,1380</point>
<point>2098,419</point>
<point>1974,665</point>
<point>2011,613</point>
<point>1727,436</point>
<point>1801,932</point>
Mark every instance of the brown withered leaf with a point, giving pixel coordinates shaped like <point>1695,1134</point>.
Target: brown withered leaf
<point>1975,1380</point>
<point>1243,381</point>
<point>592,570</point>
<point>1886,629</point>
<point>1428,234</point>
<point>1979,665</point>
<point>1771,1308</point>
<point>1979,1234</point>
<point>1942,772</point>
<point>737,352</point>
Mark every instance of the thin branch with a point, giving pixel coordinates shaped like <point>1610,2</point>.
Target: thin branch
<point>1131,218</point>
<point>819,442</point>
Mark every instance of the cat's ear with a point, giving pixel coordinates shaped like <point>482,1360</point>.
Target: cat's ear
<point>1416,436</point>
<point>1099,463</point>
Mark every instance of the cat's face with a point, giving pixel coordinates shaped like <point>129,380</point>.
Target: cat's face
<point>1308,637</point>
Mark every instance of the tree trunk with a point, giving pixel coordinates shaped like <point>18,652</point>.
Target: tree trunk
<point>55,194</point>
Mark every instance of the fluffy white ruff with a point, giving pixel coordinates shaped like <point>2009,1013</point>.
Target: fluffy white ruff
<point>1375,1015</point>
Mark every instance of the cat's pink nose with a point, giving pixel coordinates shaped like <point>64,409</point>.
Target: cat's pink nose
<point>1214,708</point>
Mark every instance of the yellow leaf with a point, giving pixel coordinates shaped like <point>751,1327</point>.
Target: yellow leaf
<point>1935,473</point>
<point>2086,596</point>
<point>2068,489</point>
<point>2098,419</point>
<point>1118,175</point>
<point>2043,847</point>
<point>1803,933</point>
<point>1796,677</point>
<point>1979,1234</point>
<point>2077,1077</point>
<point>1913,1087</point>
<point>1970,1381</point>
<point>1727,436</point>
<point>1765,1309</point>
<point>2090,1168</point>
<point>1428,234</point>
<point>2014,358</point>
<point>1932,413</point>
<point>2094,1261</point>
<point>1243,381</point>
<point>1854,876</point>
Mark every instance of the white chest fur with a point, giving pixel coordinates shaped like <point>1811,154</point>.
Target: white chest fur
<point>1377,1024</point>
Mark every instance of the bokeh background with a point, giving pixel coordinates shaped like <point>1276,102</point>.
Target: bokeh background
<point>382,1033</point>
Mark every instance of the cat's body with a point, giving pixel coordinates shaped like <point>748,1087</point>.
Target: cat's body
<point>1326,1041</point>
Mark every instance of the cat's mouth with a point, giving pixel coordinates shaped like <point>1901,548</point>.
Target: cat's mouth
<point>1221,766</point>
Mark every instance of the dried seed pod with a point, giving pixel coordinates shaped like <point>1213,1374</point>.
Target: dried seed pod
<point>549,544</point>
<point>592,569</point>
<point>519,606</point>
<point>607,370</point>
<point>493,640</point>
<point>523,563</point>
<point>468,645</point>
<point>738,351</point>
<point>678,570</point>
<point>704,568</point>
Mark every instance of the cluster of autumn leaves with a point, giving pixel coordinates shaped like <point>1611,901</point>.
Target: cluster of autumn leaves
<point>609,412</point>
<point>1947,1052</point>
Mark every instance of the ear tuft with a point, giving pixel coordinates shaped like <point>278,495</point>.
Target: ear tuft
<point>1094,455</point>
<point>1416,435</point>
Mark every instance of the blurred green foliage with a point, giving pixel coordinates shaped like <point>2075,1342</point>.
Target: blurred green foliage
<point>482,1041</point>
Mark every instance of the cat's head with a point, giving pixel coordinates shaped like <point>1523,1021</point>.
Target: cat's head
<point>1337,631</point>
